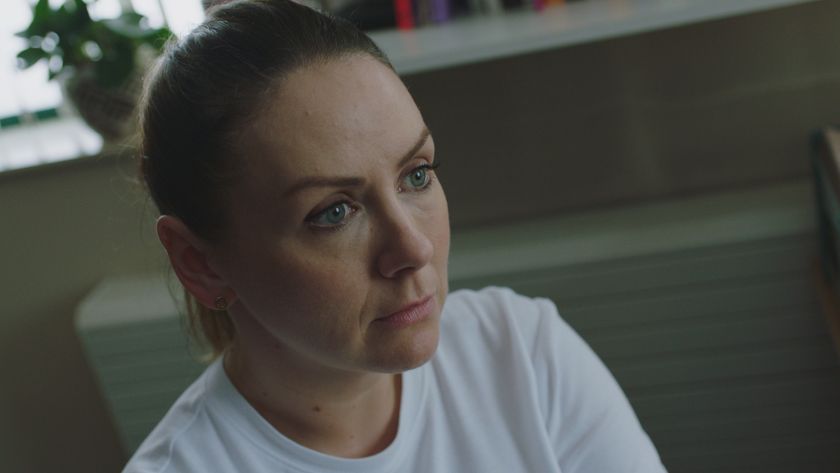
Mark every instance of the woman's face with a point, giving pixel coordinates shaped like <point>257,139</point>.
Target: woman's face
<point>338,221</point>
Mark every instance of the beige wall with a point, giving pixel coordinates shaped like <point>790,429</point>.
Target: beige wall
<point>673,112</point>
<point>63,229</point>
<point>721,104</point>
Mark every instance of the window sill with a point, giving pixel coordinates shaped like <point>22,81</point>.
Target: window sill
<point>47,145</point>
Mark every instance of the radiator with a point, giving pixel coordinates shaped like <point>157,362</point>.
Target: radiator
<point>703,308</point>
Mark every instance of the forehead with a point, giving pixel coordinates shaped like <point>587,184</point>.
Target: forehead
<point>333,117</point>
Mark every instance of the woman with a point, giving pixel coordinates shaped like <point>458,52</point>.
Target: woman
<point>301,211</point>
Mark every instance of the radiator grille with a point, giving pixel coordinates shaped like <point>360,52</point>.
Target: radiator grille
<point>722,351</point>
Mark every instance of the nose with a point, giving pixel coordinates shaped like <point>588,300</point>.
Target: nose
<point>404,246</point>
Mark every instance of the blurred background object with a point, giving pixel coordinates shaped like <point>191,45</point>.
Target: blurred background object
<point>826,168</point>
<point>71,72</point>
<point>100,63</point>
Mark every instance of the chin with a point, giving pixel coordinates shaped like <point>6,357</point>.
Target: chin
<point>408,354</point>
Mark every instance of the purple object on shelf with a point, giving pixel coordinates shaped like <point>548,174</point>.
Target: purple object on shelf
<point>440,10</point>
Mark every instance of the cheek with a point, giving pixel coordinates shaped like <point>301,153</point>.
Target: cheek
<point>441,222</point>
<point>301,291</point>
<point>439,233</point>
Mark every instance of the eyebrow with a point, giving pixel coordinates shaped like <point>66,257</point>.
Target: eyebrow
<point>352,181</point>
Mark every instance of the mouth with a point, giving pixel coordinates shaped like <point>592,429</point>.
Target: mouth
<point>411,313</point>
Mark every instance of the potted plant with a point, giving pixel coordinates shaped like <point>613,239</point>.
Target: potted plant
<point>99,63</point>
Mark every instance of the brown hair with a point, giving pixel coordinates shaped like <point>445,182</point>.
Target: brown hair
<point>203,88</point>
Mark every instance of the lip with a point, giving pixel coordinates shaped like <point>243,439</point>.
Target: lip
<point>410,314</point>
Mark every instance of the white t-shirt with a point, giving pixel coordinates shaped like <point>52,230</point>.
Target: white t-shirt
<point>512,388</point>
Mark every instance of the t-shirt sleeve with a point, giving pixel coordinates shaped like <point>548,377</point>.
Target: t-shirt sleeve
<point>588,418</point>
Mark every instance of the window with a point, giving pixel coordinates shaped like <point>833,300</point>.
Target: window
<point>36,126</point>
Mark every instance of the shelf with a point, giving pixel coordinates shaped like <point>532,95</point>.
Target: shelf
<point>484,38</point>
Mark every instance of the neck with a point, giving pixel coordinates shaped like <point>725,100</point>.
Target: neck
<point>340,413</point>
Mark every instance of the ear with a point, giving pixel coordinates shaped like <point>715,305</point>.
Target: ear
<point>189,257</point>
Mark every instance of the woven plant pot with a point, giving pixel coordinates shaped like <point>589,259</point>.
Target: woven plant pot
<point>110,111</point>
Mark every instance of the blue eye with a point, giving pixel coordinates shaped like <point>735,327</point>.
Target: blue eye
<point>419,177</point>
<point>332,216</point>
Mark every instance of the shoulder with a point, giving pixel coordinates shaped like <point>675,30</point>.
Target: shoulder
<point>497,328</point>
<point>174,435</point>
<point>496,305</point>
<point>508,341</point>
<point>498,315</point>
<point>507,323</point>
<point>515,336</point>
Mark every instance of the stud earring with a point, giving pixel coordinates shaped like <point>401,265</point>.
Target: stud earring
<point>220,303</point>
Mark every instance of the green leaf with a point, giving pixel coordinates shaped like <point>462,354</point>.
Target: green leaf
<point>30,56</point>
<point>130,25</point>
<point>39,26</point>
<point>132,17</point>
<point>81,5</point>
<point>70,18</point>
<point>116,65</point>
<point>75,15</point>
<point>118,38</point>
<point>41,10</point>
<point>161,36</point>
